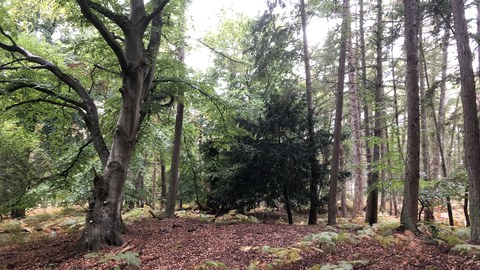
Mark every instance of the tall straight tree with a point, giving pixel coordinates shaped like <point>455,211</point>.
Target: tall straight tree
<point>177,142</point>
<point>371,215</point>
<point>332,195</point>
<point>408,219</point>
<point>470,118</point>
<point>356,131</point>
<point>363,83</point>
<point>314,174</point>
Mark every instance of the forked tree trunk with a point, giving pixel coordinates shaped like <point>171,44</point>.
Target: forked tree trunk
<point>332,195</point>
<point>470,118</point>
<point>104,225</point>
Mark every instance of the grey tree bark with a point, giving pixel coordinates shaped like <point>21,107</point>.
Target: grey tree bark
<point>470,118</point>
<point>372,199</point>
<point>314,174</point>
<point>177,142</point>
<point>332,195</point>
<point>409,213</point>
<point>356,131</point>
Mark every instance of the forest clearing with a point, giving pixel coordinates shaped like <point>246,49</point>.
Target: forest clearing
<point>226,134</point>
<point>193,240</point>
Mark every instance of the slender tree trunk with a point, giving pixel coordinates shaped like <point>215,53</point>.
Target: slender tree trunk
<point>332,195</point>
<point>383,173</point>
<point>343,204</point>
<point>409,214</point>
<point>465,208</point>
<point>163,182</point>
<point>154,183</point>
<point>356,132</point>
<point>372,201</point>
<point>314,174</point>
<point>177,141</point>
<point>470,118</point>
<point>366,112</point>
<point>428,214</point>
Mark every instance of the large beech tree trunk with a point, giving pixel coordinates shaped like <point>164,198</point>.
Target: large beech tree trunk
<point>470,118</point>
<point>332,195</point>
<point>408,219</point>
<point>103,221</point>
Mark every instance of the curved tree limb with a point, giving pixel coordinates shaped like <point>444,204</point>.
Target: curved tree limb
<point>118,19</point>
<point>17,86</point>
<point>160,6</point>
<point>104,32</point>
<point>38,100</point>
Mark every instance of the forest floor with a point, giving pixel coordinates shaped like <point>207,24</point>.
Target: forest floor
<point>194,241</point>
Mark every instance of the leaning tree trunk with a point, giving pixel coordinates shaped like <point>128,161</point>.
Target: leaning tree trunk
<point>332,195</point>
<point>470,118</point>
<point>408,219</point>
<point>103,221</point>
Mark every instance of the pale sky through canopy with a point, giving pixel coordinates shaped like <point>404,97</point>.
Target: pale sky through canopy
<point>206,15</point>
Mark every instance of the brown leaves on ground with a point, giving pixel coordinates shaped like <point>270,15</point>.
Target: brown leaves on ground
<point>174,244</point>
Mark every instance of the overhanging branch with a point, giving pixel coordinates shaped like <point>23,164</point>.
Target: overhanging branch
<point>39,100</point>
<point>160,6</point>
<point>104,32</point>
<point>118,19</point>
<point>40,88</point>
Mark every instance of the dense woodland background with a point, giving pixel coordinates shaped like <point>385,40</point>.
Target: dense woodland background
<point>100,110</point>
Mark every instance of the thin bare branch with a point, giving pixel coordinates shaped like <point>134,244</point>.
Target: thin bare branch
<point>65,172</point>
<point>222,54</point>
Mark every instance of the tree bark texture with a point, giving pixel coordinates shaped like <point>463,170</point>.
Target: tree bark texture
<point>177,142</point>
<point>470,118</point>
<point>409,213</point>
<point>356,132</point>
<point>332,195</point>
<point>137,63</point>
<point>314,173</point>
<point>366,111</point>
<point>372,201</point>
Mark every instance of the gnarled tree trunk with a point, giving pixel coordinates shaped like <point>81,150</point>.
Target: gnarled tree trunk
<point>103,221</point>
